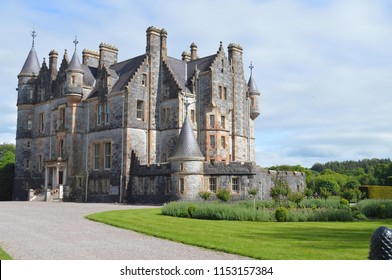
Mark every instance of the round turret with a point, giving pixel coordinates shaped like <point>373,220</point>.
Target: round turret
<point>74,80</point>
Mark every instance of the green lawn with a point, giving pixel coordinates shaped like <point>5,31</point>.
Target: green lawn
<point>269,240</point>
<point>4,255</point>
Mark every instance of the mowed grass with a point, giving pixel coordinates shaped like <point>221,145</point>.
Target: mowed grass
<point>4,255</point>
<point>258,240</point>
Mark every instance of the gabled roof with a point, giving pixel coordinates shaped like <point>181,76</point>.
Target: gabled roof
<point>187,147</point>
<point>31,65</point>
<point>125,70</point>
<point>177,67</point>
<point>121,74</point>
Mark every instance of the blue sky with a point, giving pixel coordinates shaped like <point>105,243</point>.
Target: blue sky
<point>324,68</point>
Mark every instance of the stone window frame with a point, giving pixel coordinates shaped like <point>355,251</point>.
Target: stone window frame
<point>107,155</point>
<point>181,185</point>
<point>212,120</point>
<point>96,150</point>
<point>41,122</point>
<point>144,80</point>
<point>223,122</point>
<point>212,184</point>
<point>61,117</point>
<point>29,122</point>
<point>103,113</point>
<point>193,116</point>
<point>61,148</point>
<point>237,189</point>
<point>212,141</point>
<point>223,141</point>
<point>140,110</point>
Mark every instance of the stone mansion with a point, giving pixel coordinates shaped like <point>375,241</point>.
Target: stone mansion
<point>149,129</point>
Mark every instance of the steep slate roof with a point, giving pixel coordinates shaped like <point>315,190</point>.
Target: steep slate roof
<point>75,64</point>
<point>125,70</point>
<point>177,67</point>
<point>90,75</point>
<point>252,86</point>
<point>187,147</point>
<point>121,74</point>
<point>31,65</point>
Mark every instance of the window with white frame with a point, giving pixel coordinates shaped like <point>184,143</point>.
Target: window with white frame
<point>235,185</point>
<point>107,155</point>
<point>212,184</point>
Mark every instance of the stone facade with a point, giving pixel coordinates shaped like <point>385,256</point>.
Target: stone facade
<point>152,128</point>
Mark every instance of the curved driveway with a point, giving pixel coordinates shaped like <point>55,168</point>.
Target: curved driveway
<point>49,231</point>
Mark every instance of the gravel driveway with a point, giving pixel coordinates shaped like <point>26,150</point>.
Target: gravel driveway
<point>50,231</point>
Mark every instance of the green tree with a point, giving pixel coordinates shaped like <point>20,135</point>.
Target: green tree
<point>280,191</point>
<point>7,165</point>
<point>296,197</point>
<point>328,183</point>
<point>325,193</point>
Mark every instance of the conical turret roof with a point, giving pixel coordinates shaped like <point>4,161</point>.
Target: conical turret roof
<point>31,65</point>
<point>187,146</point>
<point>74,64</point>
<point>252,86</point>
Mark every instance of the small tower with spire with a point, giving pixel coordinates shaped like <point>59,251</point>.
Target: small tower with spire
<point>187,165</point>
<point>253,94</point>
<point>74,79</point>
<point>28,75</point>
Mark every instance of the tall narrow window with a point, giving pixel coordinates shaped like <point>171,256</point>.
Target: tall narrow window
<point>39,163</point>
<point>212,121</point>
<point>221,92</point>
<point>99,114</point>
<point>223,141</point>
<point>96,156</point>
<point>192,115</point>
<point>30,122</point>
<point>235,185</point>
<point>225,93</point>
<point>212,141</point>
<point>212,184</point>
<point>61,123</point>
<point>41,122</point>
<point>61,148</point>
<point>182,185</point>
<point>223,122</point>
<point>140,110</point>
<point>144,80</point>
<point>106,112</point>
<point>108,155</point>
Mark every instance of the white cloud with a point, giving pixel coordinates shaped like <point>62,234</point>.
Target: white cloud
<point>324,67</point>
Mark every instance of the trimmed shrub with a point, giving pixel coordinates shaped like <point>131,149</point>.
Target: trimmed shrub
<point>205,195</point>
<point>344,201</point>
<point>377,192</point>
<point>281,214</point>
<point>223,195</point>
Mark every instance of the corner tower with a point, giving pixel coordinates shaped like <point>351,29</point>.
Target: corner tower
<point>27,82</point>
<point>187,165</point>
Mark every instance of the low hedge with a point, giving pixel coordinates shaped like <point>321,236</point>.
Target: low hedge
<point>376,208</point>
<point>377,192</point>
<point>241,212</point>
